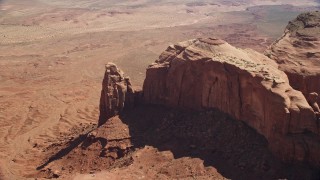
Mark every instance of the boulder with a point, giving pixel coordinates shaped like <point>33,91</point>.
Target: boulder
<point>210,73</point>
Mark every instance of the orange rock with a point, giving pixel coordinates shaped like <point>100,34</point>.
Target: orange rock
<point>204,74</point>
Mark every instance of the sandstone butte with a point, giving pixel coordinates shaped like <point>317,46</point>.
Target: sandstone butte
<point>209,73</point>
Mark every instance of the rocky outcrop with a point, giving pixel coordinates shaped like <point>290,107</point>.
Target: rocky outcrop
<point>209,73</point>
<point>298,53</point>
<point>277,94</point>
<point>116,93</point>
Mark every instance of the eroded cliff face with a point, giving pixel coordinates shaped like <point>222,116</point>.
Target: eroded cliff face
<point>210,73</point>
<point>298,53</point>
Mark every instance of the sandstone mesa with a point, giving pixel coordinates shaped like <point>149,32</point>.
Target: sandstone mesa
<point>274,94</point>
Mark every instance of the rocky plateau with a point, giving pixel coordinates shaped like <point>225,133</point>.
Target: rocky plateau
<point>202,74</point>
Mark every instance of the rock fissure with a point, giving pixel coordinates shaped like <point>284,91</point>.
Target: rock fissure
<point>239,94</point>
<point>180,90</point>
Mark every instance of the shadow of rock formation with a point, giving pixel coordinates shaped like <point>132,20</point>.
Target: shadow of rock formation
<point>234,149</point>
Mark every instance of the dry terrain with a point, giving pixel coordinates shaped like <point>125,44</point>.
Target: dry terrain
<point>52,56</point>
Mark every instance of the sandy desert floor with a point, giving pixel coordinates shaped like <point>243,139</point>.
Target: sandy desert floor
<point>52,56</point>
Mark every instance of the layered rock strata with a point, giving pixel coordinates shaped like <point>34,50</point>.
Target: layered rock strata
<point>116,94</point>
<point>209,73</point>
<point>298,53</point>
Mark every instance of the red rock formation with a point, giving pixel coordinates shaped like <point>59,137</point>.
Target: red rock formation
<point>210,73</point>
<point>116,93</point>
<point>298,52</point>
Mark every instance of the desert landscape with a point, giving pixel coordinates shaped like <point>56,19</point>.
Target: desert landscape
<point>53,56</point>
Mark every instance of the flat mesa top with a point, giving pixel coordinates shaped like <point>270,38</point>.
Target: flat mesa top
<point>213,49</point>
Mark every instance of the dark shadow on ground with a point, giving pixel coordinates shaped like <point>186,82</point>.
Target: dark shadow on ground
<point>228,145</point>
<point>233,148</point>
<point>63,152</point>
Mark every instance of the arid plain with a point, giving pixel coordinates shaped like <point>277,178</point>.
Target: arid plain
<point>52,56</point>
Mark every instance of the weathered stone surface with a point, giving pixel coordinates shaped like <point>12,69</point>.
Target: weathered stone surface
<point>298,52</point>
<point>210,73</point>
<point>116,93</point>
